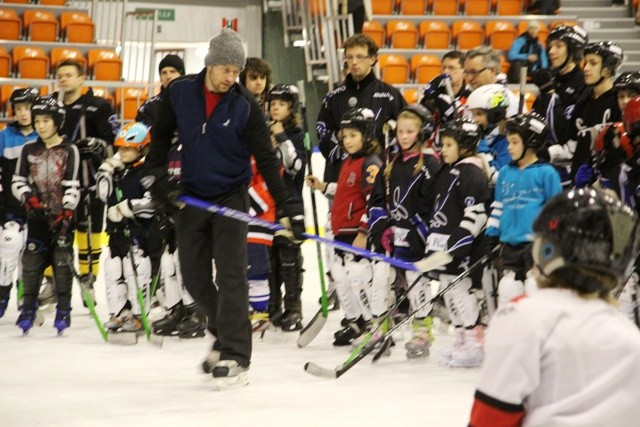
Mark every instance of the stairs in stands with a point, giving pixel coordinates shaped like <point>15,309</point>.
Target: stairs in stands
<point>606,22</point>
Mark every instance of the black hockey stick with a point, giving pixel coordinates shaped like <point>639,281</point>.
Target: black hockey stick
<point>367,347</point>
<point>523,82</point>
<point>313,328</point>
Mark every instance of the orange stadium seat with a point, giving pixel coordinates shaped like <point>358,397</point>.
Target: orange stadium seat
<point>375,30</point>
<point>30,62</point>
<point>529,97</point>
<point>317,7</point>
<point>102,92</point>
<point>542,35</point>
<point>445,7</point>
<point>467,34</point>
<point>10,25</point>
<point>130,99</point>
<point>500,34</point>
<point>505,65</point>
<point>52,2</point>
<point>77,27</point>
<point>18,1</point>
<point>411,96</point>
<point>394,69</point>
<point>104,64</point>
<point>509,7</point>
<point>477,7</point>
<point>40,26</point>
<point>425,67</point>
<point>382,7</point>
<point>435,34</point>
<point>413,7</point>
<point>59,54</point>
<point>559,22</point>
<point>5,63</point>
<point>402,34</point>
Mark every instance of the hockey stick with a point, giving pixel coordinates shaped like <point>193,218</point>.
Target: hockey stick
<point>369,347</point>
<point>84,289</point>
<point>309,332</point>
<point>425,264</point>
<point>523,82</point>
<point>156,339</point>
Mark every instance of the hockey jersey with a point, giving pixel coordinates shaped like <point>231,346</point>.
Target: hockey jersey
<point>519,196</point>
<point>262,206</point>
<point>555,359</point>
<point>11,142</point>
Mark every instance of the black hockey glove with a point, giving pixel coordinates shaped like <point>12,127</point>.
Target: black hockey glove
<point>35,209</point>
<point>164,190</point>
<point>291,215</point>
<point>490,246</point>
<point>93,150</point>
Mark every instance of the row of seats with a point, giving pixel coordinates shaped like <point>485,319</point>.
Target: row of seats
<point>463,34</point>
<point>31,62</point>
<point>42,2</point>
<point>131,98</point>
<point>419,68</point>
<point>43,26</point>
<point>450,7</point>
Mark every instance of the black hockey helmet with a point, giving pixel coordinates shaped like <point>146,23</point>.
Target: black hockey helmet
<point>466,133</point>
<point>610,52</point>
<point>531,127</point>
<point>588,229</point>
<point>629,80</point>
<point>287,93</point>
<point>428,124</point>
<point>23,94</point>
<point>361,119</point>
<point>46,105</point>
<point>575,38</point>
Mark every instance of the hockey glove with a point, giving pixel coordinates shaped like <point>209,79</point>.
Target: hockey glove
<point>61,223</point>
<point>120,211</point>
<point>163,188</point>
<point>584,176</point>
<point>35,209</point>
<point>292,217</point>
<point>93,150</point>
<point>489,245</point>
<point>386,240</point>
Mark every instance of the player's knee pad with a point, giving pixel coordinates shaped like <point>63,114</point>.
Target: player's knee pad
<point>380,288</point>
<point>360,275</point>
<point>12,239</point>
<point>114,283</point>
<point>346,294</point>
<point>138,277</point>
<point>628,300</point>
<point>490,288</point>
<point>530,283</point>
<point>461,304</point>
<point>420,294</point>
<point>259,292</point>
<point>170,276</point>
<point>62,265</point>
<point>509,288</point>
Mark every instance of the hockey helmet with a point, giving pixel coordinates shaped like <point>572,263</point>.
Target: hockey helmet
<point>361,119</point>
<point>428,124</point>
<point>287,93</point>
<point>531,127</point>
<point>631,118</point>
<point>48,106</point>
<point>493,99</point>
<point>466,133</point>
<point>133,135</point>
<point>25,94</point>
<point>613,137</point>
<point>628,81</point>
<point>585,228</point>
<point>575,37</point>
<point>610,52</point>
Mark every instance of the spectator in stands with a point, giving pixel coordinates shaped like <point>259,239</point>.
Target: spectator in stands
<point>482,67</point>
<point>453,65</point>
<point>544,7</point>
<point>527,51</point>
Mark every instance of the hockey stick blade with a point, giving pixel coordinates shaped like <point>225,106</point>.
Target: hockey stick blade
<point>313,328</point>
<point>122,338</point>
<point>319,371</point>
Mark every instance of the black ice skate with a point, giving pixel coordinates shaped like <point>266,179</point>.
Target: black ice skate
<point>353,330</point>
<point>291,321</point>
<point>193,324</point>
<point>168,325</point>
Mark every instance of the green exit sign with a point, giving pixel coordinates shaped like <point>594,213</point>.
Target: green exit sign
<point>163,14</point>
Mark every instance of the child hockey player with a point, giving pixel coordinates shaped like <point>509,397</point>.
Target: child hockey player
<point>286,257</point>
<point>12,214</point>
<point>256,77</point>
<point>352,274</point>
<point>128,219</point>
<point>523,187</point>
<point>400,199</point>
<point>46,182</point>
<point>565,356</point>
<point>458,217</point>
<point>489,105</point>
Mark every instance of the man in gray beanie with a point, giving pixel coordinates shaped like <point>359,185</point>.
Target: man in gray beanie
<point>221,128</point>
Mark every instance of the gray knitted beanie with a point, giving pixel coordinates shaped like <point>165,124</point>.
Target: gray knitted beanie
<point>226,49</point>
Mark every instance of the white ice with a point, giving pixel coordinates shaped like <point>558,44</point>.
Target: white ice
<point>78,380</point>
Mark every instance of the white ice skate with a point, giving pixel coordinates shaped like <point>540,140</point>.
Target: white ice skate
<point>227,373</point>
<point>447,352</point>
<point>470,354</point>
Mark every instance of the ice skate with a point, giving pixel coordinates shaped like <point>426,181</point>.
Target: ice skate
<point>132,324</point>
<point>4,302</point>
<point>447,352</point>
<point>47,296</point>
<point>470,354</point>
<point>376,336</point>
<point>26,319</point>
<point>291,321</point>
<point>353,330</point>
<point>211,360</point>
<point>421,340</point>
<point>114,323</point>
<point>168,325</point>
<point>62,320</point>
<point>227,373</point>
<point>193,323</point>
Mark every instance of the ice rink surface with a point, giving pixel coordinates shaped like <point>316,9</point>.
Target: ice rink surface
<point>78,380</point>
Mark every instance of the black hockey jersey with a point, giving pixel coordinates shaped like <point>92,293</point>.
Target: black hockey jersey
<point>100,120</point>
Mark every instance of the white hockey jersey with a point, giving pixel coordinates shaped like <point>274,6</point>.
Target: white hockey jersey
<point>555,359</point>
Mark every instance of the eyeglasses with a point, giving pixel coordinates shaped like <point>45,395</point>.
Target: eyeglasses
<point>474,73</point>
<point>356,58</point>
